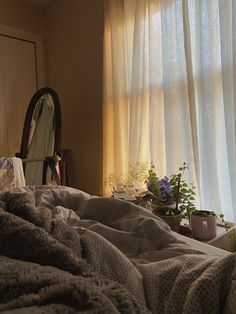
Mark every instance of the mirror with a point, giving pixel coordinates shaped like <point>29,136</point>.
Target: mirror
<point>41,136</point>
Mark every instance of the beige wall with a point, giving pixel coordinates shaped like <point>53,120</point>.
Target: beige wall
<point>74,34</point>
<point>21,15</point>
<point>16,13</point>
<point>73,31</point>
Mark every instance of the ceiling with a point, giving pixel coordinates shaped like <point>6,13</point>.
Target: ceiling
<point>38,3</point>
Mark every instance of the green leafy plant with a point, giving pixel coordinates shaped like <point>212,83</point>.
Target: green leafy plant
<point>111,182</point>
<point>204,213</point>
<point>174,190</point>
<point>135,175</point>
<point>184,192</point>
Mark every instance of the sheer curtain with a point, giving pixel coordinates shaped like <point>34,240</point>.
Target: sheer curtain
<point>169,92</point>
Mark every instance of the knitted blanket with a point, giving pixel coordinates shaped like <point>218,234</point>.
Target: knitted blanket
<point>65,251</point>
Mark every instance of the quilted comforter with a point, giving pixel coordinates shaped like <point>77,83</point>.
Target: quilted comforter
<point>65,251</point>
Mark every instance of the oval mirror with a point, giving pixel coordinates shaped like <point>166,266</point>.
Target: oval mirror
<point>41,135</point>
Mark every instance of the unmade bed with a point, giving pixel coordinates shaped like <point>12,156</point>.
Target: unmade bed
<point>65,251</point>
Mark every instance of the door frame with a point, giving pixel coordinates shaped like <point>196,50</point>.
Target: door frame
<point>37,40</point>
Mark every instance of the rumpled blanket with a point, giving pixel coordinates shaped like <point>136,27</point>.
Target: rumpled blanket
<point>65,251</point>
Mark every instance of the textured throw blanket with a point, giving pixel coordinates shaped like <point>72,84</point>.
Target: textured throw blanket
<point>63,251</point>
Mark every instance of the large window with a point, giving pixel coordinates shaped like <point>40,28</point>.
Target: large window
<point>169,92</point>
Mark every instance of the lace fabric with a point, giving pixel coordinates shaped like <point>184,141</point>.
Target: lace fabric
<point>11,173</point>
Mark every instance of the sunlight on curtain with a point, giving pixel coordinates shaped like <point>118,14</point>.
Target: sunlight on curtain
<point>169,92</point>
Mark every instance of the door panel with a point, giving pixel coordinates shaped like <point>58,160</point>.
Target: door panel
<point>18,82</point>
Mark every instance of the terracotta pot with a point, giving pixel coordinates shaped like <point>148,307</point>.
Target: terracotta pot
<point>172,221</point>
<point>203,228</point>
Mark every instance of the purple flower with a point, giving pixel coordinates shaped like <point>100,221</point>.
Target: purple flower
<point>164,185</point>
<point>165,189</point>
<point>161,188</point>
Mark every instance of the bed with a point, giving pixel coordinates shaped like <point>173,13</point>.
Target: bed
<point>65,251</point>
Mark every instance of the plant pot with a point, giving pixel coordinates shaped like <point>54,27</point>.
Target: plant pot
<point>203,228</point>
<point>172,220</point>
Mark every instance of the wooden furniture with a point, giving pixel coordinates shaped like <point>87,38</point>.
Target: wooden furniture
<point>65,155</point>
<point>224,239</point>
<point>202,246</point>
<point>52,163</point>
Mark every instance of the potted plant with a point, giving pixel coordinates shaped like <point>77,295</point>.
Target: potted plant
<point>127,186</point>
<point>204,223</point>
<point>172,198</point>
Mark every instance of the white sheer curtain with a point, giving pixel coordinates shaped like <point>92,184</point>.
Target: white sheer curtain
<point>169,92</point>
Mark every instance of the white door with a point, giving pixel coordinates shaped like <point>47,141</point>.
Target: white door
<point>18,83</point>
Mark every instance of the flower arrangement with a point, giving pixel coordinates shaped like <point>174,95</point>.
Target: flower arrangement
<point>173,195</point>
<point>135,177</point>
<point>161,189</point>
<point>170,195</point>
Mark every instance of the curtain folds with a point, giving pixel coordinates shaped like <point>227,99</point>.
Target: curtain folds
<point>169,92</point>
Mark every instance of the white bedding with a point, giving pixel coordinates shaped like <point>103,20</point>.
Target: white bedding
<point>128,245</point>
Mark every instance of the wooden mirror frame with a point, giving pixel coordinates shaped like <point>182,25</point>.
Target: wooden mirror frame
<point>28,118</point>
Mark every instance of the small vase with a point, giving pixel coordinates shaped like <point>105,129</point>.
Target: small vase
<point>203,228</point>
